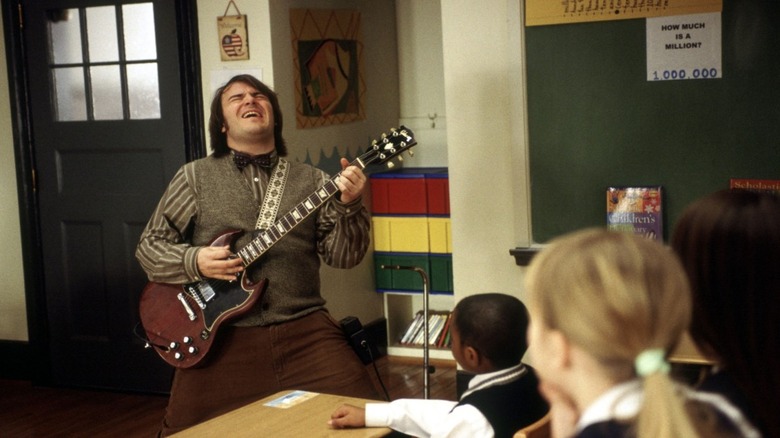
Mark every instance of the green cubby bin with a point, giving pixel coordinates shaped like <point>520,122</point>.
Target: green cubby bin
<point>438,267</point>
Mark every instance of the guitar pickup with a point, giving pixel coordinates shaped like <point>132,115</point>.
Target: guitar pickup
<point>205,292</point>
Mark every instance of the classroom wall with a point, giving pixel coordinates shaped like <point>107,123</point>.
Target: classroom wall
<point>486,143</point>
<point>421,79</point>
<point>13,314</point>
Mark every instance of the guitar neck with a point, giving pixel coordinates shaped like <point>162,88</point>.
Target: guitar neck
<point>380,151</point>
<point>267,238</point>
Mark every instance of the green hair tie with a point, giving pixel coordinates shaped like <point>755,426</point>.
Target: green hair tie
<point>651,361</point>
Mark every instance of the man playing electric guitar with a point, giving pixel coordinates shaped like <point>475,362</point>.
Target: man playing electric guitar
<point>286,339</point>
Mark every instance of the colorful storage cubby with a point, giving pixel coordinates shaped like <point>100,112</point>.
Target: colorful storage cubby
<point>411,227</point>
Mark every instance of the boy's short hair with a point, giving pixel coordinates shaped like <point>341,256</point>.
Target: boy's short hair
<point>494,324</point>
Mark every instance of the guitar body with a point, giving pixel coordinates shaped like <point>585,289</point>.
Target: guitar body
<point>180,321</point>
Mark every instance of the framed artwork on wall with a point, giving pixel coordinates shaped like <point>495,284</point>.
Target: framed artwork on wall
<point>233,40</point>
<point>327,55</point>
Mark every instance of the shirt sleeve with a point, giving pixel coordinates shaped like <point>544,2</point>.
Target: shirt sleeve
<point>429,418</point>
<point>343,232</point>
<point>164,251</point>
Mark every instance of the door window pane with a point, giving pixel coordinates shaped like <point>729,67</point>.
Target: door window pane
<point>106,93</point>
<point>143,90</point>
<point>65,33</point>
<point>138,20</point>
<point>101,28</point>
<point>123,77</point>
<point>70,96</point>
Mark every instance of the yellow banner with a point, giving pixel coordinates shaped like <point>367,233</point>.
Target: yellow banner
<point>542,12</point>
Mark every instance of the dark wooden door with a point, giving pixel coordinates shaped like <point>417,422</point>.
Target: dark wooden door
<point>107,132</point>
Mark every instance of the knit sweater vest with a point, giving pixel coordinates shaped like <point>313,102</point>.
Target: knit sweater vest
<point>511,406</point>
<point>225,202</point>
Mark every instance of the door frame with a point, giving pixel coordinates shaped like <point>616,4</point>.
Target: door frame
<point>34,363</point>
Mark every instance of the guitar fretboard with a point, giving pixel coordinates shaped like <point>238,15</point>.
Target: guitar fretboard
<point>267,238</point>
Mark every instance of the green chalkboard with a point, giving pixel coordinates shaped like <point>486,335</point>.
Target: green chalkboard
<point>595,121</point>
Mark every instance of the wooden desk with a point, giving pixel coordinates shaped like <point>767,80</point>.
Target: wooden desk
<point>284,414</point>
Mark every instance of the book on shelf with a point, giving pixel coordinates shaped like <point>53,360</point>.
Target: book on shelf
<point>636,210</point>
<point>415,335</point>
<point>418,340</point>
<point>443,339</point>
<point>762,185</point>
<point>411,329</point>
<point>435,329</point>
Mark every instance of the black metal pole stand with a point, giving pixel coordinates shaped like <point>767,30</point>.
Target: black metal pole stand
<point>427,369</point>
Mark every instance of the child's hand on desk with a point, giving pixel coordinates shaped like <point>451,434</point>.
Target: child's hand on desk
<point>347,416</point>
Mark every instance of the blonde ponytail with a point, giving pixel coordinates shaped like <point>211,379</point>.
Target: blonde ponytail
<point>663,413</point>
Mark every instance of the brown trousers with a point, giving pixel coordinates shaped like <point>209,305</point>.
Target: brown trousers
<point>310,353</point>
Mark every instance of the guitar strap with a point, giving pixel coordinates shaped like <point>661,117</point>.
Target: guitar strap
<point>273,195</point>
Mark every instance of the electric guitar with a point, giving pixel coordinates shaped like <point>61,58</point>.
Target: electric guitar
<point>181,321</point>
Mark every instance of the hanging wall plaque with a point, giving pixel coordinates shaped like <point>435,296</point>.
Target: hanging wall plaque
<point>233,41</point>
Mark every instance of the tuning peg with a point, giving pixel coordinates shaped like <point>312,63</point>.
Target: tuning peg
<point>411,152</point>
<point>390,164</point>
<point>400,158</point>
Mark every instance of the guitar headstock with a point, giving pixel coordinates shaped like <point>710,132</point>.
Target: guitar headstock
<point>389,146</point>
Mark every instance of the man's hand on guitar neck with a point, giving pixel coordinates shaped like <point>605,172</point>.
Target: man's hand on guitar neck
<point>351,182</point>
<point>219,263</point>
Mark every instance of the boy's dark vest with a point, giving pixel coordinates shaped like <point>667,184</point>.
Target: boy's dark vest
<point>511,406</point>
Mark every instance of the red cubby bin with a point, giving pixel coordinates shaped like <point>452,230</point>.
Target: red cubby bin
<point>398,195</point>
<point>410,191</point>
<point>437,186</point>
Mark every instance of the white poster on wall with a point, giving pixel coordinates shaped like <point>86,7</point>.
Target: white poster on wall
<point>684,47</point>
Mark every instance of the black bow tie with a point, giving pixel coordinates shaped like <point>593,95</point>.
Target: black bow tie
<point>242,160</point>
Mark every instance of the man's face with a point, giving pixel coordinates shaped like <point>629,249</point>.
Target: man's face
<point>248,114</point>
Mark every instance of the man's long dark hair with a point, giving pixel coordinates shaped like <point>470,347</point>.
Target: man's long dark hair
<point>217,118</point>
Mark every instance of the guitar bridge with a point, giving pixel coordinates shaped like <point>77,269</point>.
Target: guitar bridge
<point>187,308</point>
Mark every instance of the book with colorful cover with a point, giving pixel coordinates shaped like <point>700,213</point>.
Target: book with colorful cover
<point>762,185</point>
<point>636,210</point>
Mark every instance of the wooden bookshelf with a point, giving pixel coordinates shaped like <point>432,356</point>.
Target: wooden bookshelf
<point>400,310</point>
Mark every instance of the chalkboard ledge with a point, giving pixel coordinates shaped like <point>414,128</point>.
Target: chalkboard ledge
<point>523,256</point>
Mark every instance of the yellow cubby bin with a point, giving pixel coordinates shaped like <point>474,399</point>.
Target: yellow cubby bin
<point>400,234</point>
<point>412,234</point>
<point>439,235</point>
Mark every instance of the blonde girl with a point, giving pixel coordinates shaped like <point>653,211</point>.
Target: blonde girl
<point>606,309</point>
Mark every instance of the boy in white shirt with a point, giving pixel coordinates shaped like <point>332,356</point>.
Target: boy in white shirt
<point>489,340</point>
